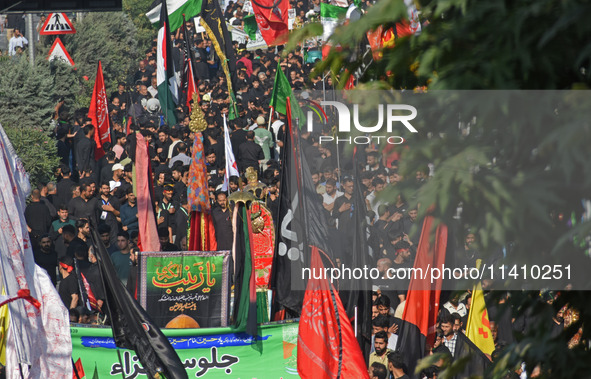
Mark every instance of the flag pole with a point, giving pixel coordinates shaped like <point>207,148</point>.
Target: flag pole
<point>270,117</point>
<point>73,367</point>
<point>355,318</point>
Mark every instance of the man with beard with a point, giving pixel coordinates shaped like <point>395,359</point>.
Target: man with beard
<point>121,258</point>
<point>82,239</point>
<point>461,347</point>
<point>108,208</point>
<point>46,257</point>
<point>222,222</point>
<point>128,213</point>
<point>83,206</point>
<point>381,352</point>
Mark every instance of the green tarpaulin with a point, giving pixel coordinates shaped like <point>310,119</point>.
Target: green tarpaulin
<point>206,353</point>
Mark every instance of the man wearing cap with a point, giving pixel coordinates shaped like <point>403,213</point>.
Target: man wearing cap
<point>115,181</point>
<point>264,139</point>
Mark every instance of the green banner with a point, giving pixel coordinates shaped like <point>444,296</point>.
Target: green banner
<point>206,353</point>
<point>186,289</point>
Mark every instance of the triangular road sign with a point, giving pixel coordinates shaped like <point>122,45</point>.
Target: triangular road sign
<point>58,51</point>
<point>57,23</point>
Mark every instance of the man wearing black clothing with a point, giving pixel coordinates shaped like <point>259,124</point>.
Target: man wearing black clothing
<point>46,257</point>
<point>108,208</point>
<point>84,152</point>
<point>64,186</point>
<point>273,200</point>
<point>181,223</point>
<point>37,216</point>
<point>222,222</point>
<point>82,239</point>
<point>68,287</point>
<point>250,153</point>
<point>238,136</point>
<point>83,206</point>
<point>343,207</point>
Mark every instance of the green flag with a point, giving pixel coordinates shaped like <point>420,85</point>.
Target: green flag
<point>281,91</point>
<point>250,26</point>
<point>176,10</point>
<point>331,16</point>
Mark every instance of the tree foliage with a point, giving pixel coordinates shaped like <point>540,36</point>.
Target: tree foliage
<point>519,181</point>
<point>136,10</point>
<point>109,37</point>
<point>37,150</point>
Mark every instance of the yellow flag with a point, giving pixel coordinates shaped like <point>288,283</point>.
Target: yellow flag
<point>4,321</point>
<point>478,326</point>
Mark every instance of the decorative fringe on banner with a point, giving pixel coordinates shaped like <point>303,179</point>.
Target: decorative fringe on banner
<point>201,234</point>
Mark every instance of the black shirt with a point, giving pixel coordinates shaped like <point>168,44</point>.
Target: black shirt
<point>79,208</point>
<point>237,138</point>
<point>223,228</point>
<point>67,288</point>
<point>48,262</point>
<point>38,218</point>
<point>249,155</point>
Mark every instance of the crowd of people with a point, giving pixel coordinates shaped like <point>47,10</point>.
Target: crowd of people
<point>100,192</point>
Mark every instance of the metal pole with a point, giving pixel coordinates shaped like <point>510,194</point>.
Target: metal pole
<point>31,38</point>
<point>355,318</point>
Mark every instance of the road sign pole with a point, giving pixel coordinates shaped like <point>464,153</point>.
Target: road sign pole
<point>31,38</point>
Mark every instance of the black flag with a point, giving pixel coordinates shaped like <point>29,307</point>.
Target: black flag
<point>212,19</point>
<point>357,297</point>
<point>301,223</point>
<point>132,327</point>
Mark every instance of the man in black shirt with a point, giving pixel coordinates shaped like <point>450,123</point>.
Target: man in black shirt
<point>68,287</point>
<point>343,208</point>
<point>64,186</point>
<point>46,257</point>
<point>37,216</point>
<point>222,222</point>
<point>108,208</point>
<point>83,206</point>
<point>250,153</point>
<point>238,136</point>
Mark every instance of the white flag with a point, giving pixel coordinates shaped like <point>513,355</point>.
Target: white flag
<point>38,341</point>
<point>231,167</point>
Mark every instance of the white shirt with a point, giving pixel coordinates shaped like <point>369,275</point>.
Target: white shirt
<point>327,199</point>
<point>153,91</point>
<point>16,42</point>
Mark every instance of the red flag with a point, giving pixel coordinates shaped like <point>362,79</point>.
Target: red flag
<point>78,370</point>
<point>98,112</point>
<point>327,347</point>
<point>191,86</point>
<point>148,233</point>
<point>422,300</point>
<point>272,20</point>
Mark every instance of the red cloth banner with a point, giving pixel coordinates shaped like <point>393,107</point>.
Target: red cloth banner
<point>98,112</point>
<point>271,16</point>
